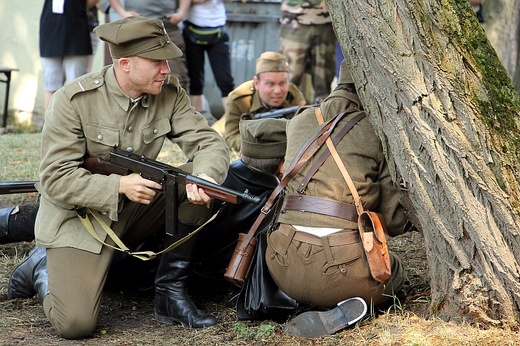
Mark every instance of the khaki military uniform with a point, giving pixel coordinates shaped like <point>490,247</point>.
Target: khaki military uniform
<point>324,273</point>
<point>91,116</point>
<point>244,99</point>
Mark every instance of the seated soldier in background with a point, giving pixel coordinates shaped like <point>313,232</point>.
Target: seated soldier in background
<point>268,90</point>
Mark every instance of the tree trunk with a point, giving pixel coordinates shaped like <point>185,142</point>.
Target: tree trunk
<point>502,26</point>
<point>446,112</point>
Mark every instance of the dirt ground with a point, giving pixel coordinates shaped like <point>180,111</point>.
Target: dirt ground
<point>127,318</point>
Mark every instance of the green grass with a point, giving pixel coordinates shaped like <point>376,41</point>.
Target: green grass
<point>19,156</point>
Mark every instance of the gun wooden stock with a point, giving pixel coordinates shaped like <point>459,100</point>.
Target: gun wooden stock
<point>17,187</point>
<point>97,165</point>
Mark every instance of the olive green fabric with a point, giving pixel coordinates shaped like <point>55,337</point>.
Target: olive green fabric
<point>91,116</point>
<point>271,62</point>
<point>245,99</point>
<point>324,275</point>
<point>263,138</point>
<point>344,73</point>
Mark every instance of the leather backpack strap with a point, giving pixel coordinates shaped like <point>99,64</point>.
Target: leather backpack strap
<point>341,166</point>
<point>321,159</point>
<point>370,224</point>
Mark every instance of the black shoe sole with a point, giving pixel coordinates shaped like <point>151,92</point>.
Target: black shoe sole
<point>314,324</point>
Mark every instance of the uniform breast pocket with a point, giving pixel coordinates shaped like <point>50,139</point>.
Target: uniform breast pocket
<point>101,139</point>
<point>157,129</point>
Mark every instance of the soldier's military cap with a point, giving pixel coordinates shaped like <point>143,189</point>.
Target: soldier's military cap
<point>263,138</point>
<point>138,36</point>
<point>344,73</point>
<point>271,62</point>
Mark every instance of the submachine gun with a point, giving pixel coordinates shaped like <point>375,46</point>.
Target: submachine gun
<point>123,162</point>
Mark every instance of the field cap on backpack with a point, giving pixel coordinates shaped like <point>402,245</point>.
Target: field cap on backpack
<point>138,36</point>
<point>263,138</point>
<point>271,62</point>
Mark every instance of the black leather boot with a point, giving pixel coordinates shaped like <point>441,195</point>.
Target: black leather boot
<point>172,303</point>
<point>4,225</point>
<point>30,277</point>
<point>17,223</point>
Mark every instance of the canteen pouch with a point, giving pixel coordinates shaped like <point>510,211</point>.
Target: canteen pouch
<point>373,233</point>
<point>240,261</point>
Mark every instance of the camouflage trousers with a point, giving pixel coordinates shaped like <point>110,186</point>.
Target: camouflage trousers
<point>310,49</point>
<point>178,66</point>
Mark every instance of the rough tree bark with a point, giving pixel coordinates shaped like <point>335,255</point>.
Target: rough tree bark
<point>502,26</point>
<point>447,115</point>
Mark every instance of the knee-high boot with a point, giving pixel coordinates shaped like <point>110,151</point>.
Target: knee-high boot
<point>30,277</point>
<point>172,303</point>
<point>17,223</point>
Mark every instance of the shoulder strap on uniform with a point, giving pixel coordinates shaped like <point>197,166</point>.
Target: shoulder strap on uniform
<point>82,85</point>
<point>321,159</point>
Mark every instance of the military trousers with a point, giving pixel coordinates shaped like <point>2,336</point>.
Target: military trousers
<point>310,49</point>
<point>327,271</point>
<point>76,277</point>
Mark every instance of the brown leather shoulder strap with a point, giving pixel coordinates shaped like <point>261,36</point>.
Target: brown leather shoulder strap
<point>326,153</point>
<point>306,151</point>
<point>319,205</point>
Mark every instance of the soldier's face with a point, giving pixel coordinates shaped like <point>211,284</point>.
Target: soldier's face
<point>147,76</point>
<point>272,87</point>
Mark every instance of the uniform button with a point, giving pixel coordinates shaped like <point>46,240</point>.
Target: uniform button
<point>96,81</point>
<point>100,137</point>
<point>155,131</point>
<point>129,149</point>
<point>130,128</point>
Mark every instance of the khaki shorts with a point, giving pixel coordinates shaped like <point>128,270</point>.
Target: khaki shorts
<point>62,70</point>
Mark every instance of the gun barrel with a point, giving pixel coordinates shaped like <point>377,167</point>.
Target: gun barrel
<point>287,113</point>
<point>222,189</point>
<point>11,187</point>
